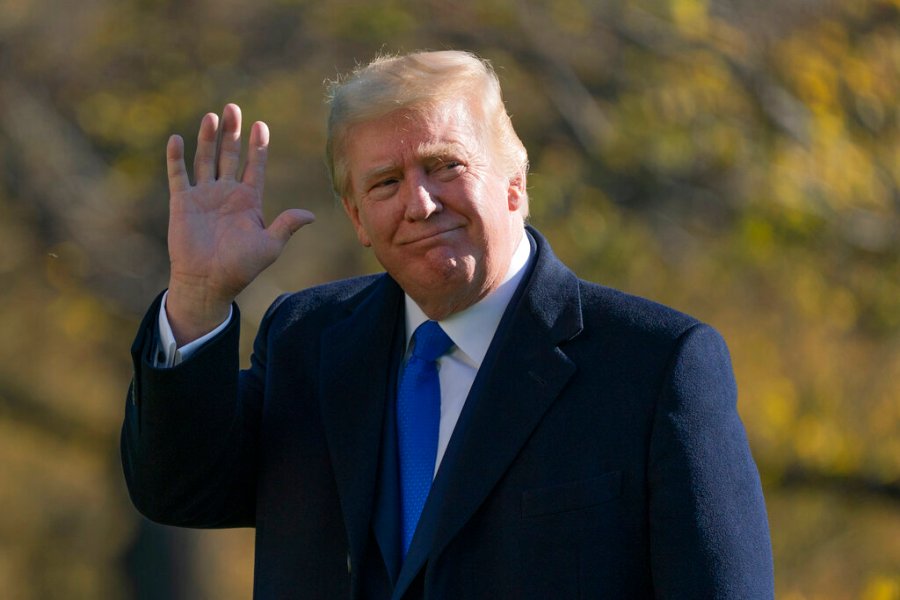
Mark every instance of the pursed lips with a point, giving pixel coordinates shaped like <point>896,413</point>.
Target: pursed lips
<point>430,235</point>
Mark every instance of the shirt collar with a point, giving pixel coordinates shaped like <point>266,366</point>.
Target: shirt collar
<point>473,328</point>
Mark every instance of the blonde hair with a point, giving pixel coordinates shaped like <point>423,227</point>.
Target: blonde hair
<point>421,80</point>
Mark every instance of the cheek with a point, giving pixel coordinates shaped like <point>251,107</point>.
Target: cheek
<point>378,223</point>
<point>494,206</point>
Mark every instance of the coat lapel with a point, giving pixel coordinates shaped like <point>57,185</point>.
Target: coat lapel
<point>355,375</point>
<point>523,373</point>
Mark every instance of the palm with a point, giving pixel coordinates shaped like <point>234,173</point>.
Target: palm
<point>217,236</point>
<point>218,240</point>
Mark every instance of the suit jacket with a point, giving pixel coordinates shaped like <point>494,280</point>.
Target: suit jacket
<point>599,453</point>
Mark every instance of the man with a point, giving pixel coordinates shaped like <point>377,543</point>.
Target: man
<point>575,442</point>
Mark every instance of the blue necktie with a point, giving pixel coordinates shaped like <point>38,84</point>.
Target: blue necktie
<point>418,422</point>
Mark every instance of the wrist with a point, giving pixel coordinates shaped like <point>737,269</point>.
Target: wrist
<point>193,311</point>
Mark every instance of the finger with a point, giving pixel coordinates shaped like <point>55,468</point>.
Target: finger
<point>288,223</point>
<point>205,158</point>
<point>178,177</point>
<point>230,145</point>
<point>255,171</point>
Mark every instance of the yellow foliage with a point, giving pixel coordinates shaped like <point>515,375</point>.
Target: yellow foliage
<point>779,405</point>
<point>759,239</point>
<point>691,17</point>
<point>882,587</point>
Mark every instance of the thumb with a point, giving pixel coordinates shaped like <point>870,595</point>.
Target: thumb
<point>288,223</point>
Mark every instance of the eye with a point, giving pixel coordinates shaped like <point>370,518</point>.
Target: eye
<point>383,183</point>
<point>382,189</point>
<point>449,169</point>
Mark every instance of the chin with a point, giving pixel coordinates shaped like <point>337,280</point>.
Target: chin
<point>452,269</point>
<point>448,277</point>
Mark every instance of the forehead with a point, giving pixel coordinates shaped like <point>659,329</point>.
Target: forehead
<point>405,134</point>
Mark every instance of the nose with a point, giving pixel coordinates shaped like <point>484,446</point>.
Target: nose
<point>420,199</point>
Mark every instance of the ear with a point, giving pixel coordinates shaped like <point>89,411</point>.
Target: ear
<point>353,212</point>
<point>516,193</point>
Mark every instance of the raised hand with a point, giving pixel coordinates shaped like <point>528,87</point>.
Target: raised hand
<point>218,240</point>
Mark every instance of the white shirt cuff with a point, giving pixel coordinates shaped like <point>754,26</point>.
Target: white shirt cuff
<point>167,353</point>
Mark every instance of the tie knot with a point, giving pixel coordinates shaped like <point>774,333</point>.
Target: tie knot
<point>430,341</point>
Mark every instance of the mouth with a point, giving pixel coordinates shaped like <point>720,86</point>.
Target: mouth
<point>430,236</point>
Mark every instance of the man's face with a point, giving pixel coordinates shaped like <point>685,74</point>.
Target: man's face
<point>433,205</point>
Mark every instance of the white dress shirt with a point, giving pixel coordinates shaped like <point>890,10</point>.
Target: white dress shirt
<point>471,330</point>
<point>168,354</point>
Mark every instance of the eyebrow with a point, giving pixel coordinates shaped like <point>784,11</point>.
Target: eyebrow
<point>439,149</point>
<point>425,150</point>
<point>378,172</point>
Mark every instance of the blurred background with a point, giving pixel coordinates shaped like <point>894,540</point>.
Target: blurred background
<point>737,159</point>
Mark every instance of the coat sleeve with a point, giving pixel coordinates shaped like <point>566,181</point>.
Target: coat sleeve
<point>708,525</point>
<point>189,437</point>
